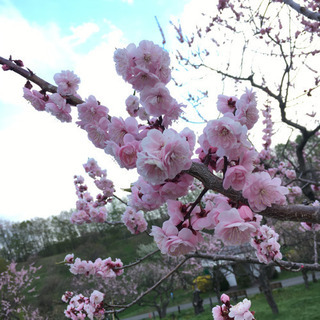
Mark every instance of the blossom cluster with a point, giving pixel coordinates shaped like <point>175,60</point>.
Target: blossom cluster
<point>134,220</point>
<point>160,154</point>
<point>181,233</point>
<point>56,104</point>
<point>265,241</point>
<point>227,312</point>
<point>81,307</point>
<point>88,209</point>
<point>265,154</point>
<point>225,147</point>
<point>101,268</point>
<point>14,285</point>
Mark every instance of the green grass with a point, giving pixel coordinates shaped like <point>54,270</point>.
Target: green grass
<point>185,296</point>
<point>294,302</point>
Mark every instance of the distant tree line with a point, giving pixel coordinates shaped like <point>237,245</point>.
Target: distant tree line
<point>48,236</point>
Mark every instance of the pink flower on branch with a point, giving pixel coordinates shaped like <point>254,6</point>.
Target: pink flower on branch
<point>134,220</point>
<point>58,107</point>
<point>173,242</point>
<point>262,191</point>
<point>265,241</point>
<point>234,229</point>
<point>67,81</point>
<point>241,311</point>
<point>37,99</point>
<point>163,156</point>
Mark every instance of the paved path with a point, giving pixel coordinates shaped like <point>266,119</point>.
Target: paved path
<point>250,291</point>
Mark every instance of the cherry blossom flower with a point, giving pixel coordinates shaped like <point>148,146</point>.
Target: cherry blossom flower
<point>163,156</point>
<point>262,191</point>
<point>173,242</point>
<point>235,177</point>
<point>233,229</point>
<point>241,311</point>
<point>226,104</point>
<point>37,99</point>
<point>265,241</point>
<point>67,81</point>
<point>91,112</point>
<point>132,104</point>
<point>156,99</point>
<point>134,221</point>
<point>58,107</point>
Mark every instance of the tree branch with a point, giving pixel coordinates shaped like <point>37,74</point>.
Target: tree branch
<point>123,307</point>
<point>300,213</point>
<point>138,261</point>
<point>303,10</point>
<point>29,75</point>
<point>293,266</point>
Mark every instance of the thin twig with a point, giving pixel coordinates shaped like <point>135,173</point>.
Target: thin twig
<point>123,307</point>
<point>138,261</point>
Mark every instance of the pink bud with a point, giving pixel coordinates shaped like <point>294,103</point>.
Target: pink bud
<point>224,298</point>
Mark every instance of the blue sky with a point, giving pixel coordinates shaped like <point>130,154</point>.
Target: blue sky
<point>135,18</point>
<point>40,155</point>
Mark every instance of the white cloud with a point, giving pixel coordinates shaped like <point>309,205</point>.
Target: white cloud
<point>40,155</point>
<point>82,33</point>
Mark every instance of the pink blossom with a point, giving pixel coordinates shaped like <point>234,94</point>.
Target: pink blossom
<point>173,113</point>
<point>247,113</point>
<point>156,99</point>
<point>69,259</point>
<point>106,186</point>
<point>126,155</point>
<point>149,56</point>
<point>134,221</point>
<point>67,296</point>
<point>118,128</point>
<point>262,191</point>
<point>217,312</point>
<point>98,132</point>
<point>163,156</point>
<point>67,81</point>
<point>81,267</point>
<point>98,215</point>
<point>37,100</point>
<point>265,241</point>
<point>176,211</point>
<point>176,188</point>
<point>142,78</point>
<point>124,61</point>
<point>241,311</point>
<point>247,159</point>
<point>132,103</point>
<point>306,226</point>
<point>91,112</point>
<point>235,177</point>
<point>96,297</point>
<point>224,298</point>
<point>58,107</point>
<point>173,242</point>
<point>290,174</point>
<point>226,104</point>
<point>93,169</point>
<point>144,196</point>
<point>233,229</point>
<point>80,217</point>
<point>225,134</point>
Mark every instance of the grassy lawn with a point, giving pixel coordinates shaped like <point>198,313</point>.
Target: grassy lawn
<point>185,296</point>
<point>294,303</point>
